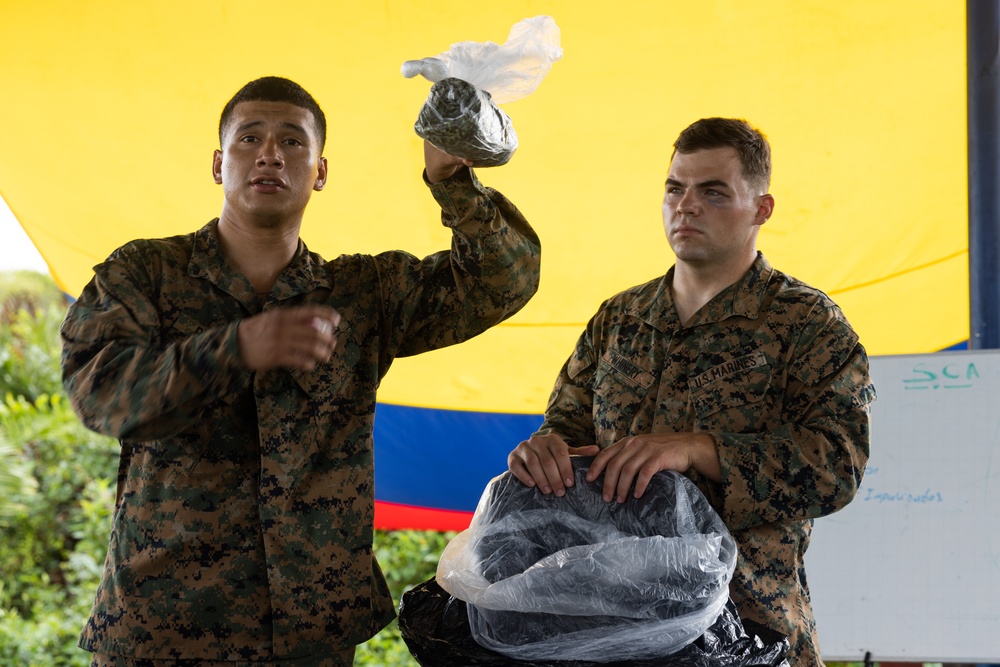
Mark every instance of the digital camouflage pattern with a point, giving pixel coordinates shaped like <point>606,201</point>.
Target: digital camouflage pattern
<point>340,659</point>
<point>772,370</point>
<point>243,519</point>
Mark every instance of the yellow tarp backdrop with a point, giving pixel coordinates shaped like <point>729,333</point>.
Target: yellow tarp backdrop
<point>109,109</point>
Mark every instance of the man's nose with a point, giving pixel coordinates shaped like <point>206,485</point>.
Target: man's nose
<point>270,154</point>
<point>687,204</point>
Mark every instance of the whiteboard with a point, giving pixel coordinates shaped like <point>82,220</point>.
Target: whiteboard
<point>910,570</point>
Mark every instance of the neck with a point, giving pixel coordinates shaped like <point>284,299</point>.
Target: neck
<point>693,286</point>
<point>259,252</point>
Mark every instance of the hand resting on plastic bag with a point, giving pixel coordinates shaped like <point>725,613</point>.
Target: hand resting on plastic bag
<point>578,578</point>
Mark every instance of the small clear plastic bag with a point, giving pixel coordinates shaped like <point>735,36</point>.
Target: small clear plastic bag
<point>460,115</point>
<point>576,578</point>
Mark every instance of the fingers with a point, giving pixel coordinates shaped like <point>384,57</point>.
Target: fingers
<point>440,165</point>
<point>311,335</point>
<point>627,465</point>
<point>518,467</point>
<point>632,461</point>
<point>642,479</point>
<point>616,478</point>
<point>304,337</point>
<point>543,461</point>
<point>623,469</point>
<point>295,338</point>
<point>317,348</point>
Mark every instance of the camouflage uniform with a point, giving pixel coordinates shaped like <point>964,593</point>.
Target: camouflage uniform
<point>773,372</point>
<point>243,519</point>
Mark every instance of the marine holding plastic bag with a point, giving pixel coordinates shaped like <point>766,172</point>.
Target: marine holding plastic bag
<point>576,578</point>
<point>461,116</point>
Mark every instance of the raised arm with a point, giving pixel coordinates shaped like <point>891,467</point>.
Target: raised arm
<point>490,272</point>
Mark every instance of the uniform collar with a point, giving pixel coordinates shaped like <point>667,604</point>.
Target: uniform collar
<point>741,299</point>
<point>302,275</point>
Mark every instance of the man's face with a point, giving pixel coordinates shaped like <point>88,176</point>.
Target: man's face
<point>270,162</point>
<point>711,214</point>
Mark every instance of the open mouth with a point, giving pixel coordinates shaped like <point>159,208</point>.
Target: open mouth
<point>267,184</point>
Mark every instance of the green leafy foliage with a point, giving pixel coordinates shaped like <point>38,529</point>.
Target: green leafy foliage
<point>16,481</point>
<point>407,558</point>
<point>31,310</point>
<point>56,490</point>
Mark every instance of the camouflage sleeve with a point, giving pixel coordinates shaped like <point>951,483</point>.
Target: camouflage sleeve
<point>811,464</point>
<point>570,412</point>
<point>490,273</point>
<point>121,379</point>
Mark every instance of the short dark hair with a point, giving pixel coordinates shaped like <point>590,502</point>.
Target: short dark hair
<point>749,143</point>
<point>276,89</point>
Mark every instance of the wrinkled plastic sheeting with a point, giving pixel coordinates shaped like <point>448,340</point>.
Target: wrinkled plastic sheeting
<point>507,72</point>
<point>435,627</point>
<point>577,578</point>
<point>460,115</point>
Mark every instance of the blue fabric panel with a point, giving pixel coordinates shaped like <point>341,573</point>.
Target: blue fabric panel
<point>442,459</point>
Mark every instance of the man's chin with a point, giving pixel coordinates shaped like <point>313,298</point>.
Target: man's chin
<point>688,252</point>
<point>264,218</point>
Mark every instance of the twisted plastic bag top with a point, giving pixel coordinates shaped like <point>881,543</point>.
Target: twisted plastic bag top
<point>507,72</point>
<point>576,578</point>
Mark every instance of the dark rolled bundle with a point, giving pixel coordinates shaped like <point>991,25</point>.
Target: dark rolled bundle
<point>577,578</point>
<point>463,120</point>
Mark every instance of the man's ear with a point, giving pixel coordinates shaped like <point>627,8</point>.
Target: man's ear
<point>217,167</point>
<point>765,208</point>
<point>321,174</point>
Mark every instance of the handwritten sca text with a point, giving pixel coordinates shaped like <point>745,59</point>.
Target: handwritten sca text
<point>927,376</point>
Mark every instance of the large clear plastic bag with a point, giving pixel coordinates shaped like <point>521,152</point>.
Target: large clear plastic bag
<point>460,115</point>
<point>576,578</point>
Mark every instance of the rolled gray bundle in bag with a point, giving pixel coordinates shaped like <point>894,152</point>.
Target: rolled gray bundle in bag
<point>463,120</point>
<point>461,115</point>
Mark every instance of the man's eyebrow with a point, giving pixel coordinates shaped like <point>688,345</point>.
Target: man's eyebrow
<point>246,126</point>
<point>711,183</point>
<point>255,123</point>
<point>294,126</point>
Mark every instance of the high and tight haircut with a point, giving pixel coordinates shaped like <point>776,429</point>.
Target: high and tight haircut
<point>276,89</point>
<point>749,143</point>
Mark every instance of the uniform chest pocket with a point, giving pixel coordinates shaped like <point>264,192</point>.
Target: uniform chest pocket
<point>326,380</point>
<point>620,386</point>
<point>734,402</point>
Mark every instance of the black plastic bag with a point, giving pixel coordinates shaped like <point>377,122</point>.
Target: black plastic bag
<point>435,627</point>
